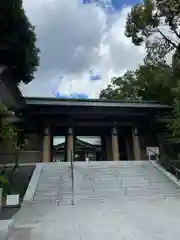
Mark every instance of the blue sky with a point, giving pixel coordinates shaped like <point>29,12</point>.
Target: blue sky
<point>71,95</point>
<point>116,5</point>
<point>82,46</point>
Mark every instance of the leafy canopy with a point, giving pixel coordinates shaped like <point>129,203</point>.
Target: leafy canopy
<point>18,41</point>
<point>148,82</point>
<point>10,133</point>
<point>8,130</point>
<point>156,23</point>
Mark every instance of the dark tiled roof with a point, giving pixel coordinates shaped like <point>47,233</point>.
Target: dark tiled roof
<point>93,102</point>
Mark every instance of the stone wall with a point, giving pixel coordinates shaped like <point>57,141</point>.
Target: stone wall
<point>23,157</point>
<point>22,177</point>
<point>31,152</point>
<point>7,152</point>
<point>29,156</point>
<point>34,142</point>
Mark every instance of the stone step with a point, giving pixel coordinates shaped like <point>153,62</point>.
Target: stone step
<point>100,181</point>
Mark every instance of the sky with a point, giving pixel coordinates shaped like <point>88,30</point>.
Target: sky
<point>82,46</point>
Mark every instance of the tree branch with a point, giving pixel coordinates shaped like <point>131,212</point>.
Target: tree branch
<point>167,39</point>
<point>177,34</point>
<point>171,22</point>
<point>172,25</point>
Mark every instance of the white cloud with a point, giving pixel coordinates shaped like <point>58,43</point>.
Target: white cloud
<point>75,38</point>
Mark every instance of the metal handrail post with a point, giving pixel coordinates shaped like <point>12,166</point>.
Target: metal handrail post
<point>72,178</point>
<point>157,155</point>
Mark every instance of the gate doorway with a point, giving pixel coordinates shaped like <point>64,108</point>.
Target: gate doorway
<point>85,149</point>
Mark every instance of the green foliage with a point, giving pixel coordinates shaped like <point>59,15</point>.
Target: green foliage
<point>157,24</point>
<point>176,62</point>
<point>7,183</point>
<point>148,82</point>
<point>174,125</point>
<point>121,88</point>
<point>9,132</point>
<point>18,41</point>
<point>3,181</point>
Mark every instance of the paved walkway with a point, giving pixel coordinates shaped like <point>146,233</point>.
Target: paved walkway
<point>140,204</point>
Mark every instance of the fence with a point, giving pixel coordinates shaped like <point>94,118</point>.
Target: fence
<point>72,176</point>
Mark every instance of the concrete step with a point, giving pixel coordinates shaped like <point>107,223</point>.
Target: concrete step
<point>102,180</point>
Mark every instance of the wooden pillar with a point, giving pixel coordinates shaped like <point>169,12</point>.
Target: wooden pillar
<point>103,148</point>
<point>115,145</point>
<point>47,146</point>
<point>108,145</point>
<point>136,144</point>
<point>70,145</point>
<point>128,149</point>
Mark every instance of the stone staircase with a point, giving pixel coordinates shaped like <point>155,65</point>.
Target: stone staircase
<point>102,181</point>
<point>113,200</point>
<point>54,182</point>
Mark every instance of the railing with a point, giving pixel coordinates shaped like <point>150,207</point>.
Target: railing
<point>72,177</point>
<point>154,154</point>
<point>177,172</point>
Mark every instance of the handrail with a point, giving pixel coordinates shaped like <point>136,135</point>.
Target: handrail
<point>153,151</point>
<point>156,154</point>
<point>72,178</point>
<point>177,170</point>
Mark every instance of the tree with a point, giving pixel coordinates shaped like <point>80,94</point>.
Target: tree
<point>156,23</point>
<point>18,48</point>
<point>9,132</point>
<point>148,82</point>
<point>174,125</point>
<point>121,88</point>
